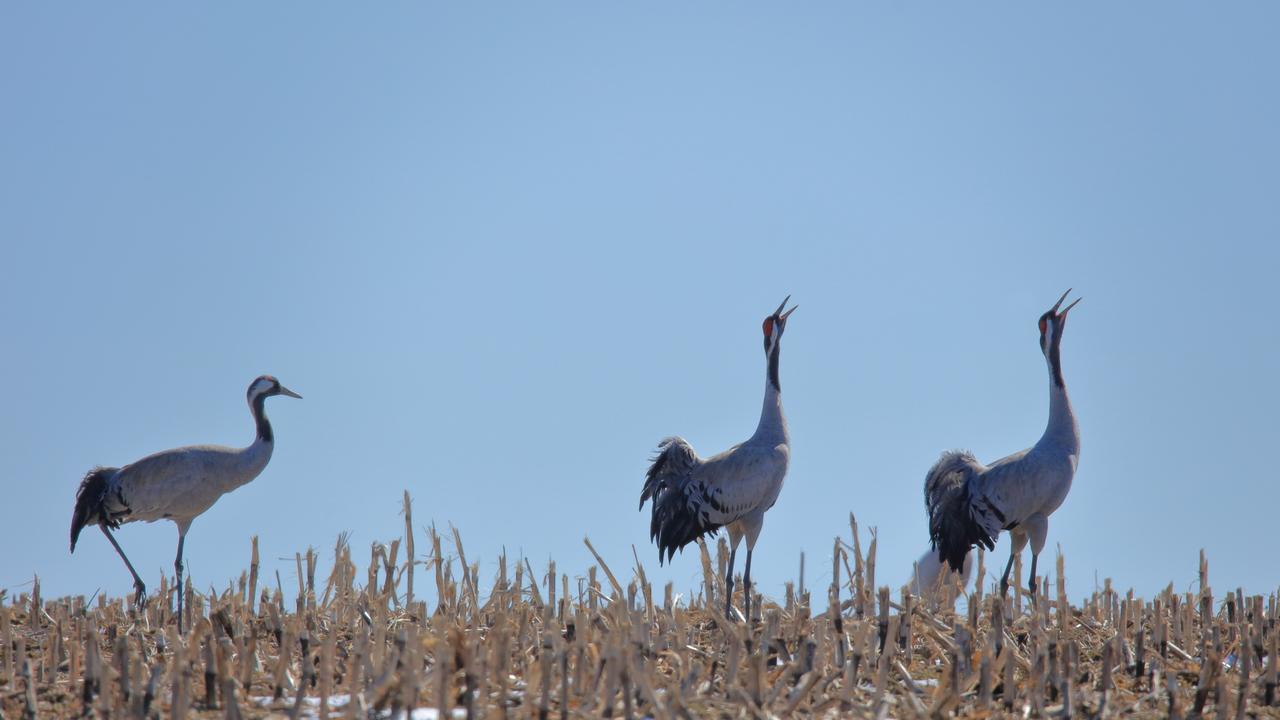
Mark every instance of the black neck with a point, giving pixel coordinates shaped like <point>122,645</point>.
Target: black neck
<point>773,367</point>
<point>1055,361</point>
<point>260,419</point>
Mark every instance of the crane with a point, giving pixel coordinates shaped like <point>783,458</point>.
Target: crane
<point>924,581</point>
<point>970,503</point>
<point>177,485</point>
<point>693,496</point>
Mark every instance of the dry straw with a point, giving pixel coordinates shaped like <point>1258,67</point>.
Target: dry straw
<point>548,644</point>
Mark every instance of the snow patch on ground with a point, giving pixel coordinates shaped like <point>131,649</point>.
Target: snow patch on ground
<point>311,709</point>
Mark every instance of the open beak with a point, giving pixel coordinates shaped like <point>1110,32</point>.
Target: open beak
<point>1058,304</point>
<point>286,391</point>
<point>781,315</point>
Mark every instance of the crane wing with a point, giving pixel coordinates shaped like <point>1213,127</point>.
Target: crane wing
<point>177,484</point>
<point>693,497</point>
<point>680,506</point>
<point>961,515</point>
<point>742,480</point>
<point>675,459</point>
<point>1010,486</point>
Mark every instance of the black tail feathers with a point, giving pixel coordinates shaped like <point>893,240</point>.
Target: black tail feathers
<point>953,527</point>
<point>679,515</point>
<point>89,498</point>
<point>679,518</point>
<point>675,459</point>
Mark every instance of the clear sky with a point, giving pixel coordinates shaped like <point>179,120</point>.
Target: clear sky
<point>503,249</point>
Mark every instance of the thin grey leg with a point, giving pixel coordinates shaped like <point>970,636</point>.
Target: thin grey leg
<point>139,587</point>
<point>1004,580</point>
<point>1032,583</point>
<point>177,566</point>
<point>746,587</point>
<point>728,585</point>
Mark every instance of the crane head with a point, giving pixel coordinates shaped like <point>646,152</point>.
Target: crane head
<point>775,324</point>
<point>264,386</point>
<point>1052,324</point>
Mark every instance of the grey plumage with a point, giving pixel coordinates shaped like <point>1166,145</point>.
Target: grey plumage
<point>969,504</point>
<point>692,496</point>
<point>177,485</point>
<point>929,568</point>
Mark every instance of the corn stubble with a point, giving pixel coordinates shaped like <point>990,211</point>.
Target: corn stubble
<point>553,645</point>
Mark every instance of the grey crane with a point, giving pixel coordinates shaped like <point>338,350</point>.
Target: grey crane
<point>924,581</point>
<point>695,496</point>
<point>970,503</point>
<point>177,485</point>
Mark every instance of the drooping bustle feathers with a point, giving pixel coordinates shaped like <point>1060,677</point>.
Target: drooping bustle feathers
<point>89,499</point>
<point>954,527</point>
<point>680,503</point>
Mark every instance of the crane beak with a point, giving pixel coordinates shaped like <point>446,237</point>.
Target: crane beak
<point>781,315</point>
<point>286,391</point>
<point>1058,304</point>
<point>1067,309</point>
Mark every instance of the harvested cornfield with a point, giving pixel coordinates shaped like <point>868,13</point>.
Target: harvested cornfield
<point>540,643</point>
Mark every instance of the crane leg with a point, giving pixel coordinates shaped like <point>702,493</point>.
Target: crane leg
<point>1004,579</point>
<point>1032,582</point>
<point>1017,541</point>
<point>139,587</point>
<point>177,566</point>
<point>1037,528</point>
<point>746,587</point>
<point>728,585</point>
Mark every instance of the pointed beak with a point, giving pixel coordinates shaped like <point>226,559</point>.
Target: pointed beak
<point>781,315</point>
<point>1058,304</point>
<point>1067,309</point>
<point>286,391</point>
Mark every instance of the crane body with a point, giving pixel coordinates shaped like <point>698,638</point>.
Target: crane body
<point>969,503</point>
<point>177,485</point>
<point>693,496</point>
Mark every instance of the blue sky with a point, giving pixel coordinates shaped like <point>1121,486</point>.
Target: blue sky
<point>503,249</point>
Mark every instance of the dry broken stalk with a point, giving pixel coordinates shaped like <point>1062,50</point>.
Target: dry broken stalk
<point>530,645</point>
